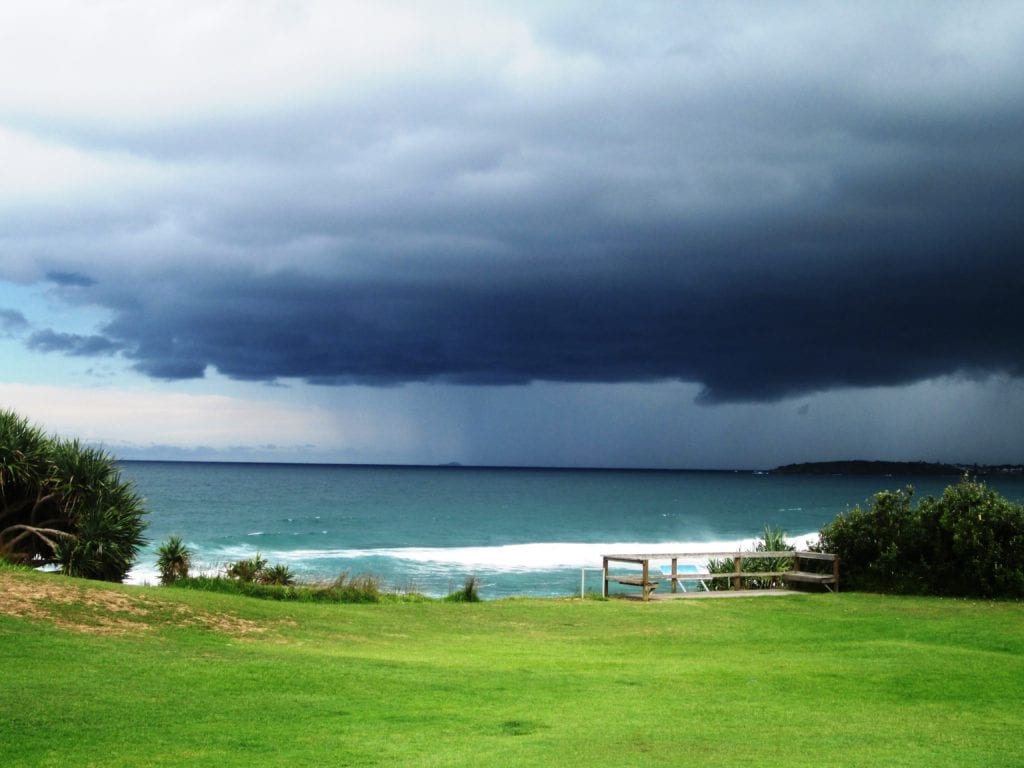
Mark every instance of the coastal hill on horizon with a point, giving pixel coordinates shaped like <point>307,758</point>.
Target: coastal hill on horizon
<point>864,467</point>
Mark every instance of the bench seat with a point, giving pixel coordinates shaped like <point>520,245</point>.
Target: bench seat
<point>806,577</point>
<point>636,581</point>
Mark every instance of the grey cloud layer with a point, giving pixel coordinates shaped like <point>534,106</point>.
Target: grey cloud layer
<point>766,336</point>
<point>760,206</point>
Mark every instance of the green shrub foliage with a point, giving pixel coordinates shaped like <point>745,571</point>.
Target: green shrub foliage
<point>63,503</point>
<point>772,540</point>
<point>247,571</point>
<point>967,542</point>
<point>257,570</point>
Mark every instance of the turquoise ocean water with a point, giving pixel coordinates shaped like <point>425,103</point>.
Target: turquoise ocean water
<point>520,531</point>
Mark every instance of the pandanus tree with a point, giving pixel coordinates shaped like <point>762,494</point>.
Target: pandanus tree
<point>173,560</point>
<point>65,504</point>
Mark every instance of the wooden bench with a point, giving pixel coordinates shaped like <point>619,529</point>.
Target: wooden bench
<point>648,581</point>
<point>637,581</point>
<point>828,580</point>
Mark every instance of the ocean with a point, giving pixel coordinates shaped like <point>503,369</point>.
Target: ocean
<point>521,532</point>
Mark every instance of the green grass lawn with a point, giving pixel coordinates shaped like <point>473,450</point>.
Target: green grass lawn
<point>135,676</point>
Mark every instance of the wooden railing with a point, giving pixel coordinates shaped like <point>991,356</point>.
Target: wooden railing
<point>649,580</point>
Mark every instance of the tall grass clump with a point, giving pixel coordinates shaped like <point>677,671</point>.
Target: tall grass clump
<point>470,592</point>
<point>360,589</point>
<point>354,589</point>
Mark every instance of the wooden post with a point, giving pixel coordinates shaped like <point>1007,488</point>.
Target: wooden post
<point>736,579</point>
<point>835,570</point>
<point>675,581</point>
<point>647,594</point>
<point>604,576</point>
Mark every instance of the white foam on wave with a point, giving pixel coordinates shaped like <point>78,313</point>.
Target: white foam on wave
<point>509,558</point>
<point>525,557</point>
<point>143,573</point>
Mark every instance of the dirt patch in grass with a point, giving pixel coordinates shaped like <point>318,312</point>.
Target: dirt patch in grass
<point>96,610</point>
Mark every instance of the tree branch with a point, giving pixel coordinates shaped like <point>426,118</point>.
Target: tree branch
<point>42,533</point>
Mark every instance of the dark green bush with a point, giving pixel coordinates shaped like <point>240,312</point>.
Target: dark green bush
<point>279,575</point>
<point>247,571</point>
<point>967,542</point>
<point>65,504</point>
<point>256,570</point>
<point>877,548</point>
<point>973,540</point>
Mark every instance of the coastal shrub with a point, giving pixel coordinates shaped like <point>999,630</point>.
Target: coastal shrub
<point>720,565</point>
<point>772,540</point>
<point>247,571</point>
<point>256,570</point>
<point>278,575</point>
<point>972,539</point>
<point>470,592</point>
<point>967,542</point>
<point>65,504</point>
<point>173,560</point>
<point>880,548</point>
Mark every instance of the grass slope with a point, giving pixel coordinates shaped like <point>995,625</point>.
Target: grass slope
<point>134,676</point>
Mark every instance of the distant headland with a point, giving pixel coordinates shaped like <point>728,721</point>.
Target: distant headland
<point>858,467</point>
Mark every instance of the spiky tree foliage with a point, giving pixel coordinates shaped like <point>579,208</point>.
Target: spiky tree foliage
<point>65,504</point>
<point>256,570</point>
<point>30,521</point>
<point>173,559</point>
<point>279,574</point>
<point>772,540</point>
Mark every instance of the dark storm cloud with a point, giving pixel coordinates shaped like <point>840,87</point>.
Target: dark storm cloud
<point>72,279</point>
<point>764,335</point>
<point>762,202</point>
<point>12,321</point>
<point>71,344</point>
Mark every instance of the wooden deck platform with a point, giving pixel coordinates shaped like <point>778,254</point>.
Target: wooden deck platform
<point>648,580</point>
